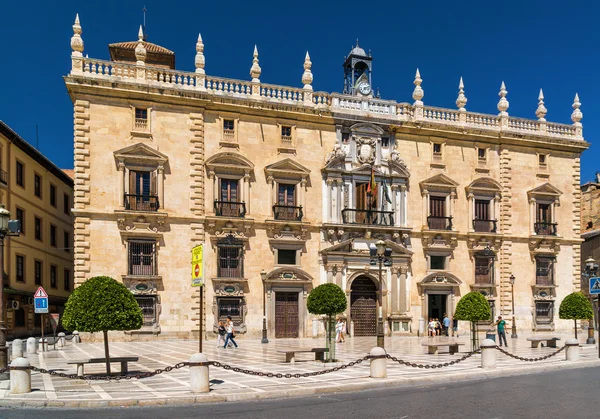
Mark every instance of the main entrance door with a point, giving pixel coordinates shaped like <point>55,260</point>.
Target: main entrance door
<point>286,314</point>
<point>436,303</point>
<point>363,306</point>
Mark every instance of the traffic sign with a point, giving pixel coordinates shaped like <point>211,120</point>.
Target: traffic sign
<point>594,286</point>
<point>40,293</point>
<point>41,305</point>
<point>54,319</point>
<point>197,254</point>
<point>197,267</point>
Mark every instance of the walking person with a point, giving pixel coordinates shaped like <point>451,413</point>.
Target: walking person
<point>230,333</point>
<point>501,325</point>
<point>221,332</point>
<point>438,327</point>
<point>454,327</point>
<point>446,323</point>
<point>339,331</point>
<point>431,328</point>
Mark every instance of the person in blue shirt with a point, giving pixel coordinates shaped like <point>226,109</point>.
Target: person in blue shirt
<point>446,323</point>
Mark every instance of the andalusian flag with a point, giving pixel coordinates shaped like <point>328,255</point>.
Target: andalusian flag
<point>372,187</point>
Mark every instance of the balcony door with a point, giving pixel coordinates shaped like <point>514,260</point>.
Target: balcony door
<point>286,202</point>
<point>365,202</point>
<point>437,212</point>
<point>142,191</point>
<point>229,197</point>
<point>482,221</point>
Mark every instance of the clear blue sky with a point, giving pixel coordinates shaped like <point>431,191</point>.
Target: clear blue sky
<point>528,44</point>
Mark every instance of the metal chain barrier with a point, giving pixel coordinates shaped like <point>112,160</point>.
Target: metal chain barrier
<point>109,377</point>
<point>432,366</point>
<point>520,358</point>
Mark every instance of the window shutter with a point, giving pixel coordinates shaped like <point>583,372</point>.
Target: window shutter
<point>132,185</point>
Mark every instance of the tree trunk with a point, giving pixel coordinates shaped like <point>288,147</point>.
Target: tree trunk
<point>575,328</point>
<point>106,355</point>
<point>330,343</point>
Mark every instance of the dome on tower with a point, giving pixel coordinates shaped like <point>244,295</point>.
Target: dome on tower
<point>357,50</point>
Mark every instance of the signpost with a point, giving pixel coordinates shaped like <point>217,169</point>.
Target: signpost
<point>54,318</point>
<point>198,281</point>
<point>40,299</point>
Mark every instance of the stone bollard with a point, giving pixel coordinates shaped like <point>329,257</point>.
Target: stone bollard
<point>43,345</point>
<point>76,338</point>
<point>20,376</point>
<point>488,354</point>
<point>199,381</point>
<point>16,349</point>
<point>572,350</point>
<point>32,346</point>
<point>62,340</point>
<point>378,365</point>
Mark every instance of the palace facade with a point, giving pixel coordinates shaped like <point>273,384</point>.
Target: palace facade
<point>288,188</point>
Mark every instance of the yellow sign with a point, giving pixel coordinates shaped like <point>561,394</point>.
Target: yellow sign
<point>197,255</point>
<point>197,267</point>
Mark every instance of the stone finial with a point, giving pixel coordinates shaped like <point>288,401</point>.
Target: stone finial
<point>576,116</point>
<point>461,101</point>
<point>307,77</point>
<point>541,110</point>
<point>255,69</point>
<point>503,103</point>
<point>140,49</point>
<point>418,93</point>
<point>76,40</point>
<point>199,56</point>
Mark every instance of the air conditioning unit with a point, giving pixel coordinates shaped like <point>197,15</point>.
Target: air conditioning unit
<point>13,304</point>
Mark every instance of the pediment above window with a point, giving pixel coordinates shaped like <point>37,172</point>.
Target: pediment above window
<point>369,129</point>
<point>484,186</point>
<point>227,162</point>
<point>546,191</point>
<point>288,274</point>
<point>287,168</point>
<point>440,279</point>
<point>439,182</point>
<point>140,153</point>
<point>362,246</point>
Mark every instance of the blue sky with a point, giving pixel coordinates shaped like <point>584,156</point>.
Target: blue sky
<point>530,45</point>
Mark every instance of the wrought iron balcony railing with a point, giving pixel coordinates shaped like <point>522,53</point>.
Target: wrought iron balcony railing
<point>136,202</point>
<point>370,217</point>
<point>287,212</point>
<point>230,209</point>
<point>485,226</point>
<point>545,228</point>
<point>439,223</point>
<point>3,177</point>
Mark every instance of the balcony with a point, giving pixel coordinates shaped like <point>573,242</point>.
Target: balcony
<point>3,177</point>
<point>287,213</point>
<point>439,223</point>
<point>545,228</point>
<point>135,202</point>
<point>369,217</point>
<point>484,226</point>
<point>230,209</point>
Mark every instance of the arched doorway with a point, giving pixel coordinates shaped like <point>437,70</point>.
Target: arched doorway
<point>363,306</point>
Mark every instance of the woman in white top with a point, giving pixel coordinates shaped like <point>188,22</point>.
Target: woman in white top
<point>431,328</point>
<point>230,333</point>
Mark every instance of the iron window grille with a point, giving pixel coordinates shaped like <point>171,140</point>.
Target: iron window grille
<point>231,258</point>
<point>544,311</point>
<point>142,257</point>
<point>544,271</point>
<point>229,306</point>
<point>147,304</point>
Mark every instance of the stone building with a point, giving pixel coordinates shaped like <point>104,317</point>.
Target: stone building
<point>288,188</point>
<point>40,195</point>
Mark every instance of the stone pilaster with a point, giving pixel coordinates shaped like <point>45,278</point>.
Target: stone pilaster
<point>197,174</point>
<point>505,256</point>
<point>576,223</point>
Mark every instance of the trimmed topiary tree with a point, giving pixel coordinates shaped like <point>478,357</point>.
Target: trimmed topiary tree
<point>327,299</point>
<point>473,307</point>
<point>101,304</point>
<point>575,306</point>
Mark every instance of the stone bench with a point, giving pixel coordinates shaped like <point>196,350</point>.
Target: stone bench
<point>432,348</point>
<point>123,360</point>
<point>290,354</point>
<point>550,341</point>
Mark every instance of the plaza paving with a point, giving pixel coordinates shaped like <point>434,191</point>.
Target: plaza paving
<point>173,386</point>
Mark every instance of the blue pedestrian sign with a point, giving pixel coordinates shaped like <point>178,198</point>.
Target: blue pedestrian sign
<point>40,299</point>
<point>594,286</point>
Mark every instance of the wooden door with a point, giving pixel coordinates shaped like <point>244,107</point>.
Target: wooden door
<point>229,198</point>
<point>286,315</point>
<point>437,212</point>
<point>363,307</point>
<point>286,200</point>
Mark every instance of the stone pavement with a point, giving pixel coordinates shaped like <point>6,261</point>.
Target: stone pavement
<point>226,385</point>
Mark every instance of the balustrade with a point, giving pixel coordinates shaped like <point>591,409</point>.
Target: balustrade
<point>439,223</point>
<point>484,226</point>
<point>140,202</point>
<point>282,93</point>
<point>287,212</point>
<point>230,209</point>
<point>220,85</point>
<point>438,114</point>
<point>370,217</point>
<point>545,228</point>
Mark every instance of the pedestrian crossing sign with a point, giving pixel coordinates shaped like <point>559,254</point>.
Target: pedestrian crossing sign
<point>594,286</point>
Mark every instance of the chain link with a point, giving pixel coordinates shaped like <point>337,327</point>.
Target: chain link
<point>433,366</point>
<point>110,377</point>
<point>520,358</point>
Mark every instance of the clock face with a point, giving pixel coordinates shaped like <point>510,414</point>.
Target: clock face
<point>364,88</point>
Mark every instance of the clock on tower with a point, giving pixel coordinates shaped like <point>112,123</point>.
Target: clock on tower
<point>357,72</point>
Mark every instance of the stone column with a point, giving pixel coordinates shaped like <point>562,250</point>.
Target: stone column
<point>338,188</point>
<point>532,215</point>
<point>302,194</point>
<point>329,270</point>
<point>425,207</point>
<point>270,197</point>
<point>497,209</point>
<point>403,306</point>
<point>247,192</point>
<point>211,191</point>
<point>394,290</point>
<point>452,197</point>
<point>471,216</point>
<point>121,184</point>
<point>161,187</point>
<point>403,206</point>
<point>337,273</point>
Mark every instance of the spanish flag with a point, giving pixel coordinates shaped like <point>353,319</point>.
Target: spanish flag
<point>372,187</point>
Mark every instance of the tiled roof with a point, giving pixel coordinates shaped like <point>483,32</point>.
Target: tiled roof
<point>150,47</point>
<point>70,173</point>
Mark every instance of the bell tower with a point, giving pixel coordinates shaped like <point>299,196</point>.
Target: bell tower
<point>357,72</point>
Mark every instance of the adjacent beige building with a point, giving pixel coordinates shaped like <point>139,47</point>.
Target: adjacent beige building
<point>40,195</point>
<point>288,188</point>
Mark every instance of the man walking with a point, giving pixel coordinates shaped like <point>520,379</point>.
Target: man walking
<point>446,322</point>
<point>501,331</point>
<point>230,333</point>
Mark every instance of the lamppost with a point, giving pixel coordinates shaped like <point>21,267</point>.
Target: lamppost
<point>383,256</point>
<point>591,268</point>
<point>263,276</point>
<point>513,333</point>
<point>4,218</point>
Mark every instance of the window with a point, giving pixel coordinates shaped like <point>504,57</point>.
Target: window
<point>542,160</point>
<point>53,276</point>
<point>37,185</point>
<point>385,142</point>
<point>142,257</point>
<point>543,220</point>
<point>66,204</point>
<point>21,218</point>
<point>228,125</point>
<point>482,219</point>
<point>230,258</point>
<point>67,279</point>
<point>66,244</point>
<point>286,135</point>
<point>437,219</point>
<point>141,118</point>
<point>437,262</point>
<point>229,204</point>
<point>147,304</point>
<point>437,150</point>
<point>544,311</point>
<point>142,191</point>
<point>20,268</point>
<point>481,153</point>
<point>52,195</point>
<point>345,137</point>
<point>286,257</point>
<point>483,270</point>
<point>20,174</point>
<point>228,306</point>
<point>38,269</point>
<point>52,235</point>
<point>38,228</point>
<point>20,317</point>
<point>544,271</point>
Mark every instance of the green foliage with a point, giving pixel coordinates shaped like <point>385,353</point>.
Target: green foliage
<point>575,306</point>
<point>326,299</point>
<point>101,304</point>
<point>473,307</point>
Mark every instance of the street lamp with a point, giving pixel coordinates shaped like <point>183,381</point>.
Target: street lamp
<point>591,267</point>
<point>383,255</point>
<point>263,276</point>
<point>4,217</point>
<point>513,333</point>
